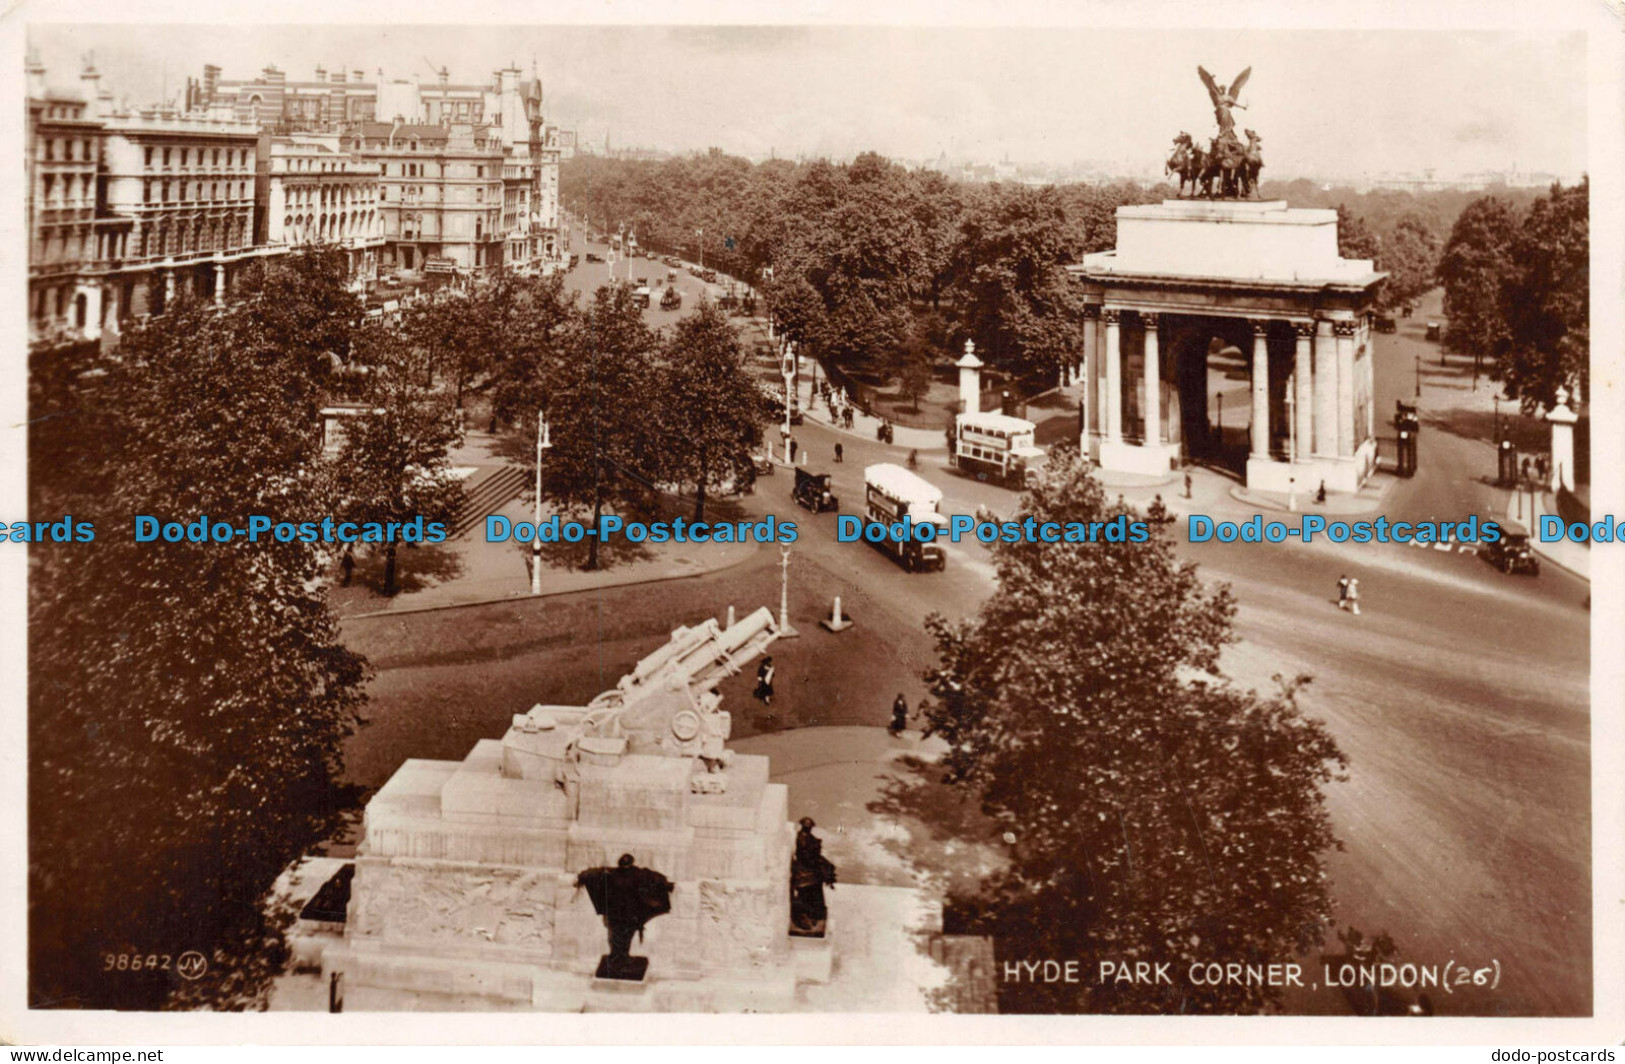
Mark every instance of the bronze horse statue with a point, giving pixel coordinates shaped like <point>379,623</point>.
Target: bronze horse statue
<point>1252,163</point>
<point>1226,161</point>
<point>1187,161</point>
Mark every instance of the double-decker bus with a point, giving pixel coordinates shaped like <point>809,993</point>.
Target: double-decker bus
<point>997,447</point>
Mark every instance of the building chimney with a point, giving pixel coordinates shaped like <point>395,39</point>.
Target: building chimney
<point>92,81</point>
<point>36,75</point>
<point>359,76</point>
<point>338,77</point>
<point>321,72</point>
<point>445,77</point>
<point>211,81</point>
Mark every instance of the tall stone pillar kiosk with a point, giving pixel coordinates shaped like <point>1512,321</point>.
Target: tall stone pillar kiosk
<point>1562,420</point>
<point>970,379</point>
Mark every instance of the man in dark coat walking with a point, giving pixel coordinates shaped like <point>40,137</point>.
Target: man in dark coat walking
<point>899,715</point>
<point>764,681</point>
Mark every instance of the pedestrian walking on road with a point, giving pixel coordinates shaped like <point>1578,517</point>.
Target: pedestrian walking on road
<point>1343,592</point>
<point>1354,596</point>
<point>1320,494</point>
<point>794,446</point>
<point>764,682</point>
<point>347,563</point>
<point>838,452</point>
<point>914,459</point>
<point>1187,484</point>
<point>899,715</point>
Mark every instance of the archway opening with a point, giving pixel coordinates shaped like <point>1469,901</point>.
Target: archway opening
<point>1212,369</point>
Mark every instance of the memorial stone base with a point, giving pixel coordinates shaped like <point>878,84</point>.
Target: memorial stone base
<point>465,884</point>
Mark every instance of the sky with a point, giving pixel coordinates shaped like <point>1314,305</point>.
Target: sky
<point>1328,103</point>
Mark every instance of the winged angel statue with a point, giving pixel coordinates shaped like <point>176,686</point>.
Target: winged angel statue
<point>1224,99</point>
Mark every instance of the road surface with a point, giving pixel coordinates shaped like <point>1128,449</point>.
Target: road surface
<point>1460,696</point>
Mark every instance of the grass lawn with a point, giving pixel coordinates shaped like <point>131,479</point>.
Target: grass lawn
<point>446,679</point>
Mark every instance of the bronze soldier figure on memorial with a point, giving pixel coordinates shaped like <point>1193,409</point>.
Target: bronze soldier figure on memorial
<point>809,872</point>
<point>627,897</point>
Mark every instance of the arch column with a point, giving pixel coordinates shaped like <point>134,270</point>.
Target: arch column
<point>1112,316</point>
<point>1089,373</point>
<point>1152,375</point>
<point>1303,397</point>
<point>1344,331</point>
<point>1261,388</point>
<point>1325,391</point>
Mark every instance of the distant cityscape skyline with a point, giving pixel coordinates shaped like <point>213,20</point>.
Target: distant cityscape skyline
<point>1417,102</point>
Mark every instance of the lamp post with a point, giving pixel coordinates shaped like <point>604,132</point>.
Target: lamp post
<point>1418,374</point>
<point>1291,453</point>
<point>789,371</point>
<point>543,442</point>
<point>786,629</point>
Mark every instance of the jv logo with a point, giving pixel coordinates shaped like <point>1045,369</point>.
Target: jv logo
<point>191,965</point>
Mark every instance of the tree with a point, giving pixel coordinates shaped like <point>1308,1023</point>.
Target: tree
<point>710,410</point>
<point>1475,263</point>
<point>1546,301</point>
<point>188,700</point>
<point>1411,256</point>
<point>914,382</point>
<point>604,442</point>
<point>1014,296</point>
<point>305,306</point>
<point>395,463</point>
<point>1158,813</point>
<point>1355,240</point>
<point>450,329</point>
<point>535,342</point>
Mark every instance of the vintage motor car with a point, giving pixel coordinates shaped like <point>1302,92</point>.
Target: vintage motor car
<point>670,299</point>
<point>1513,554</point>
<point>812,491</point>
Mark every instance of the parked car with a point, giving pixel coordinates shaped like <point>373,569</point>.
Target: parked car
<point>1435,330</point>
<point>1512,553</point>
<point>1386,323</point>
<point>593,256</point>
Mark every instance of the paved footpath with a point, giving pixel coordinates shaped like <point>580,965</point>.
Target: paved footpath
<point>470,570</point>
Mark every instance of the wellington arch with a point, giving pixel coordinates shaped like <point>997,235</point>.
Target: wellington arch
<point>1258,289</point>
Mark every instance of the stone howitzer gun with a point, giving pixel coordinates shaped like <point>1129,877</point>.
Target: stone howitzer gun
<point>667,706</point>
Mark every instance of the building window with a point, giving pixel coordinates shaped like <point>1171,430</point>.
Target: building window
<point>166,156</point>
<point>149,157</point>
<point>165,192</point>
<point>146,192</point>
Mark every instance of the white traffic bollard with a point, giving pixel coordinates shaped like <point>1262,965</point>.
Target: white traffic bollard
<point>837,621</point>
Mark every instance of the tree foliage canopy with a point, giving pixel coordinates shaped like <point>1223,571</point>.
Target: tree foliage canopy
<point>711,412</point>
<point>1159,813</point>
<point>187,700</point>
